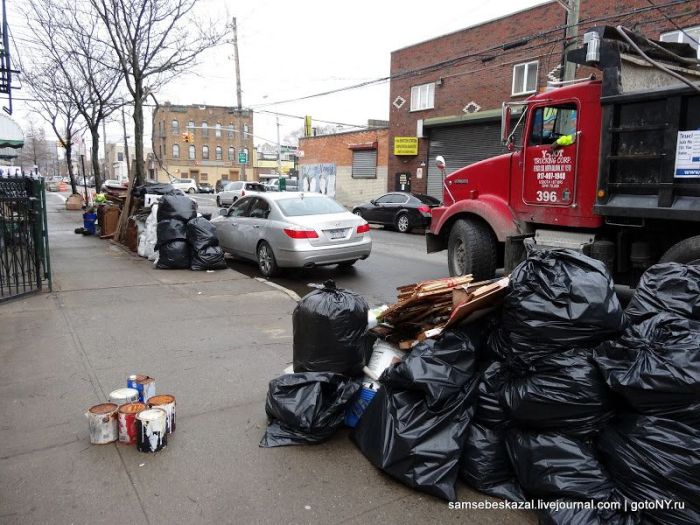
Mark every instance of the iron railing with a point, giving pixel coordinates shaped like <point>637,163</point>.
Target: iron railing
<point>24,244</point>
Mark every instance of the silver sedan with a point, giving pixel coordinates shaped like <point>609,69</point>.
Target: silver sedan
<point>292,230</point>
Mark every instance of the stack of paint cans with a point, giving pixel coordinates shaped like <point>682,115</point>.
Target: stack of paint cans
<point>135,415</point>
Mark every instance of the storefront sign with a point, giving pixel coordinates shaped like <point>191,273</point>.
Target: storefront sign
<point>405,145</point>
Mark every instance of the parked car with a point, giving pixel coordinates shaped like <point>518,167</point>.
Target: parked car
<point>237,189</point>
<point>292,230</point>
<point>186,185</point>
<point>54,184</point>
<point>205,187</point>
<point>404,211</point>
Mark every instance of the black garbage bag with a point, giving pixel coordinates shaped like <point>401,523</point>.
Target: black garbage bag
<point>176,207</point>
<point>209,258</point>
<point>655,459</point>
<point>562,392</point>
<point>655,366</point>
<point>415,427</point>
<point>201,234</point>
<point>155,189</point>
<point>559,299</point>
<point>485,465</point>
<point>329,331</point>
<point>174,255</point>
<point>489,410</point>
<point>306,408</point>
<point>170,230</point>
<point>666,287</point>
<point>553,465</point>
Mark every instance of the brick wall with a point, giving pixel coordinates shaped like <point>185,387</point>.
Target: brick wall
<point>335,149</point>
<point>474,67</point>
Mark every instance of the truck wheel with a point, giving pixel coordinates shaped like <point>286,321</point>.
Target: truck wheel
<point>471,249</point>
<point>686,252</point>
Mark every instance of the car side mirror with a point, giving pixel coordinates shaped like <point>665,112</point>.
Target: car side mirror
<point>373,202</point>
<point>223,211</point>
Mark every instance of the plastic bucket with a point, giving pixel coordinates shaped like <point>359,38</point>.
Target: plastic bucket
<point>358,406</point>
<point>89,220</point>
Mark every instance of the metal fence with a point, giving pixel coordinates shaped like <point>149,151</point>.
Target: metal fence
<point>24,244</point>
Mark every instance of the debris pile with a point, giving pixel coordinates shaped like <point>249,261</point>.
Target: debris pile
<point>537,386</point>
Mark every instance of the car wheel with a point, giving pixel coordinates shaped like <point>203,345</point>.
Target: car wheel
<point>191,190</point>
<point>347,264</point>
<point>686,252</point>
<point>403,223</point>
<point>218,201</point>
<point>266,260</point>
<point>358,213</point>
<point>471,249</point>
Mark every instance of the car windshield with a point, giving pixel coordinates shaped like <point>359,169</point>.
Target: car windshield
<point>298,206</point>
<point>426,199</point>
<point>255,187</point>
<point>233,186</point>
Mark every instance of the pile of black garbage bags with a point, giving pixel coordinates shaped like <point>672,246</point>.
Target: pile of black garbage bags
<point>185,240</point>
<point>560,396</point>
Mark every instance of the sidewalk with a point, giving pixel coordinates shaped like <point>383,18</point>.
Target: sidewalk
<point>213,340</point>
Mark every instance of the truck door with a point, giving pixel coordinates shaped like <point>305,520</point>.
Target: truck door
<point>549,168</point>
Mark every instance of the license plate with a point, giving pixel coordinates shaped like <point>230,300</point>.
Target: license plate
<point>337,234</point>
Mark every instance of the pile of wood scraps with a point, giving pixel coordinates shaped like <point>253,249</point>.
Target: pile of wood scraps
<point>427,308</point>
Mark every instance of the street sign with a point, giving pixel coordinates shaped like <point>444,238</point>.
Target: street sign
<point>405,145</point>
<point>242,157</point>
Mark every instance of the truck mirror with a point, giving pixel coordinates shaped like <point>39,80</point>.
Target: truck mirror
<point>505,124</point>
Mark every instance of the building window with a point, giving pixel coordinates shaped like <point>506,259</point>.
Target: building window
<point>120,157</point>
<point>160,128</point>
<point>205,152</point>
<point>525,78</point>
<point>245,131</point>
<point>175,127</point>
<point>190,126</point>
<point>230,130</point>
<point>176,151</point>
<point>191,152</point>
<point>204,177</point>
<point>231,153</point>
<point>219,153</point>
<point>217,130</point>
<point>423,97</point>
<point>689,35</point>
<point>364,164</point>
<point>205,129</point>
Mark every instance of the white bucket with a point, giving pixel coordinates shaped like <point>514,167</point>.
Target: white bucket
<point>124,395</point>
<point>102,420</point>
<point>383,355</point>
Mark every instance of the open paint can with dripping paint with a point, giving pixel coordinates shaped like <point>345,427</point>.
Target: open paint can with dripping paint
<point>123,395</point>
<point>151,430</point>
<point>167,403</point>
<point>127,422</point>
<point>102,420</point>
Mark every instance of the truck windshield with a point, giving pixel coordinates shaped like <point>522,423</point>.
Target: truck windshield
<point>551,122</point>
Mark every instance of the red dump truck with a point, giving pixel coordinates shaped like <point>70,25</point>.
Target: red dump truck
<point>607,166</point>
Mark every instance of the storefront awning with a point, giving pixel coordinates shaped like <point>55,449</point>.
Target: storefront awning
<point>11,135</point>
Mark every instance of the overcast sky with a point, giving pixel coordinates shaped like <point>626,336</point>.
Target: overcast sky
<point>294,49</point>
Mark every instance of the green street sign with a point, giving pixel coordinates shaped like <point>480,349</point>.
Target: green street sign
<point>242,157</point>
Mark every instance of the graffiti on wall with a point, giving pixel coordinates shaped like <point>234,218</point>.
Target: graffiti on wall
<point>318,178</point>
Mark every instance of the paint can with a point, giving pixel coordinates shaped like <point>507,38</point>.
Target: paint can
<point>144,384</point>
<point>102,420</point>
<point>127,422</point>
<point>151,434</point>
<point>167,403</point>
<point>124,395</point>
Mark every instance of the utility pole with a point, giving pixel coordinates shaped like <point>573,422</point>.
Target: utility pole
<point>571,34</point>
<point>126,147</point>
<point>279,149</point>
<point>239,92</point>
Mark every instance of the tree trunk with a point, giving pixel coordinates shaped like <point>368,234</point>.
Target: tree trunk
<point>69,162</point>
<point>95,132</point>
<point>138,133</point>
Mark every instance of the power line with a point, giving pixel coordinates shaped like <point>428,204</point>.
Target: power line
<point>658,8</point>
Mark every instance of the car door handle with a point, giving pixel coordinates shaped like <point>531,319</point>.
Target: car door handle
<point>256,226</point>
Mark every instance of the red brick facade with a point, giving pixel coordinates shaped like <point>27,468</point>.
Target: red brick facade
<point>471,65</point>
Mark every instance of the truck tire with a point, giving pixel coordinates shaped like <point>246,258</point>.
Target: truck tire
<point>686,252</point>
<point>471,249</point>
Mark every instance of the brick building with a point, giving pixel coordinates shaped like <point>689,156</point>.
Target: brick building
<point>447,91</point>
<point>220,136</point>
<point>352,166</point>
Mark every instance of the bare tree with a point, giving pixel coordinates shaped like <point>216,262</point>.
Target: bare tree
<point>54,105</point>
<point>69,37</point>
<point>37,151</point>
<point>155,41</point>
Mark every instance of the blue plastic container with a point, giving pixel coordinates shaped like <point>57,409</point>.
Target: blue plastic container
<point>358,406</point>
<point>89,220</point>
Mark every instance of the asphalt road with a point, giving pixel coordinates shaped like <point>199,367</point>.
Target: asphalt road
<point>396,259</point>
